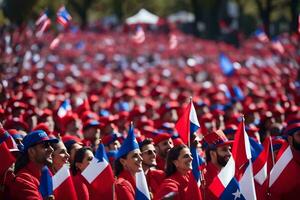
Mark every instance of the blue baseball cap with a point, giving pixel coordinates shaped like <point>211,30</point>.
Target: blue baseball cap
<point>37,137</point>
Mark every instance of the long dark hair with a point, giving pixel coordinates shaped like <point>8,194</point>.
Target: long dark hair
<point>173,154</point>
<point>79,156</point>
<point>118,165</point>
<point>21,162</point>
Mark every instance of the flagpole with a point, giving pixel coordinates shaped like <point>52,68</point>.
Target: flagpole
<point>189,133</point>
<point>272,151</point>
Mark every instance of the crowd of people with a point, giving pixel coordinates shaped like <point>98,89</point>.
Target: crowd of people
<point>59,104</point>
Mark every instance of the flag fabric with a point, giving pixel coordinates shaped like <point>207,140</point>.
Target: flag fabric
<point>196,163</point>
<point>7,159</point>
<point>173,42</point>
<point>277,45</point>
<point>261,35</point>
<point>226,65</point>
<point>188,123</point>
<point>42,23</point>
<point>260,164</point>
<point>142,191</point>
<point>284,159</point>
<point>99,174</point>
<point>299,23</point>
<point>64,108</point>
<point>46,184</point>
<point>139,36</point>
<point>63,17</point>
<point>63,186</point>
<point>55,42</point>
<point>238,93</point>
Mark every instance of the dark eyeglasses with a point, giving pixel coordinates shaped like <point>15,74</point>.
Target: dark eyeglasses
<point>149,152</point>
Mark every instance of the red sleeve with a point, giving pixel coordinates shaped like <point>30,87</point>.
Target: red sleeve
<point>81,188</point>
<point>167,188</point>
<point>26,188</point>
<point>124,190</point>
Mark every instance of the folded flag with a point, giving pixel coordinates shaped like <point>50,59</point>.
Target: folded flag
<point>139,36</point>
<point>64,108</point>
<point>99,174</point>
<point>63,17</point>
<point>142,191</point>
<point>226,65</point>
<point>188,123</point>
<point>42,23</point>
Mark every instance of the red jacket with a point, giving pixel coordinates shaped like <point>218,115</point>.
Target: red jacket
<point>125,186</point>
<point>154,178</point>
<point>287,186</point>
<point>211,171</point>
<point>181,186</point>
<point>26,184</point>
<point>81,187</point>
<point>161,162</point>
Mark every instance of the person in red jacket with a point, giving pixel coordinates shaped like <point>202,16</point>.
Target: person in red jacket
<point>163,143</point>
<point>218,152</point>
<point>179,183</point>
<point>154,176</point>
<point>37,153</point>
<point>287,185</point>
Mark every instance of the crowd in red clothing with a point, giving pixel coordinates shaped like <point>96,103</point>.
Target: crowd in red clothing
<point>106,81</point>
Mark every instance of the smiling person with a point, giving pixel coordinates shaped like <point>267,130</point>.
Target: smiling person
<point>218,152</point>
<point>127,164</point>
<point>178,184</point>
<point>60,156</point>
<point>37,153</point>
<point>163,143</point>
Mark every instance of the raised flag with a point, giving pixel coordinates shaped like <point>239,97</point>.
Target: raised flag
<point>64,108</point>
<point>42,24</point>
<point>226,65</point>
<point>46,184</point>
<point>173,42</point>
<point>7,159</point>
<point>261,35</point>
<point>284,159</point>
<point>63,186</point>
<point>238,93</point>
<point>142,191</point>
<point>99,175</point>
<point>139,36</point>
<point>55,42</point>
<point>277,45</point>
<point>63,17</point>
<point>188,123</point>
<point>196,163</point>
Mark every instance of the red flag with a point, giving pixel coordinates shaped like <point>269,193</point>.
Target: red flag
<point>183,125</point>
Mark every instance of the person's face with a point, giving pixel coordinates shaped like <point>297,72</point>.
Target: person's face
<point>60,156</point>
<point>41,153</point>
<point>223,154</point>
<point>133,161</point>
<point>115,145</point>
<point>92,134</point>
<point>149,155</point>
<point>294,140</point>
<point>184,161</point>
<point>88,157</point>
<point>164,146</point>
<point>73,150</point>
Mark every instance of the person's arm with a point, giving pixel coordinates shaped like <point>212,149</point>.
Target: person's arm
<point>26,189</point>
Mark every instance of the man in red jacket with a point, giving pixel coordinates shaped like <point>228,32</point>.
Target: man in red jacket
<point>163,143</point>
<point>287,185</point>
<point>37,153</point>
<point>218,152</point>
<point>154,176</point>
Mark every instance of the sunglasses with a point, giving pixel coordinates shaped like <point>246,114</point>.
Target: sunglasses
<point>149,152</point>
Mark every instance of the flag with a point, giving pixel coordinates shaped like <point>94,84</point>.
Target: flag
<point>226,65</point>
<point>188,123</point>
<point>42,23</point>
<point>277,45</point>
<point>7,159</point>
<point>139,36</point>
<point>298,23</point>
<point>285,156</point>
<point>63,17</point>
<point>260,164</point>
<point>196,163</point>
<point>238,93</point>
<point>63,186</point>
<point>55,42</point>
<point>173,42</point>
<point>46,184</point>
<point>64,108</point>
<point>142,191</point>
<point>261,35</point>
<point>99,174</point>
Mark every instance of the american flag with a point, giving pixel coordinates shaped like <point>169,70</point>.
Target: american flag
<point>139,36</point>
<point>42,23</point>
<point>63,17</point>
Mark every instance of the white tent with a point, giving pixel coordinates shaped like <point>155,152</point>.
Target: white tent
<point>181,16</point>
<point>143,17</point>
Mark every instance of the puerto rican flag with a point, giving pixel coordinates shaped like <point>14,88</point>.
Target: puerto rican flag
<point>99,175</point>
<point>235,180</point>
<point>139,37</point>
<point>64,108</point>
<point>188,123</point>
<point>142,191</point>
<point>63,17</point>
<point>196,163</point>
<point>42,23</point>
